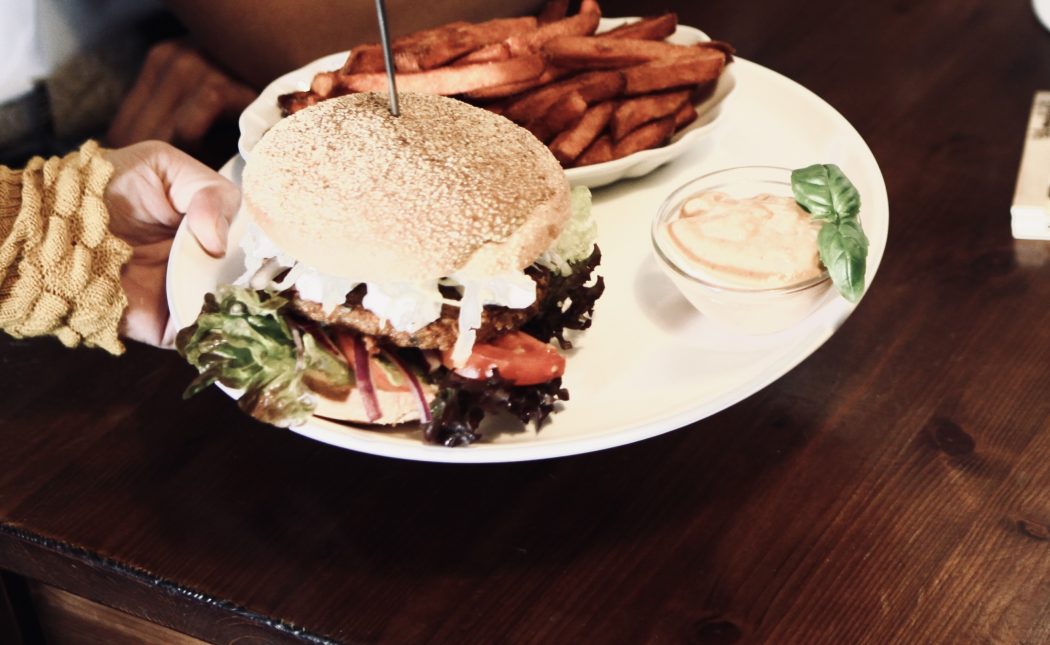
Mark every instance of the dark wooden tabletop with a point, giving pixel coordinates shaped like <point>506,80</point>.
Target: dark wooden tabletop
<point>894,487</point>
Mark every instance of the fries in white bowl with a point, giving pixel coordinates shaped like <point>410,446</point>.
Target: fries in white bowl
<point>612,98</point>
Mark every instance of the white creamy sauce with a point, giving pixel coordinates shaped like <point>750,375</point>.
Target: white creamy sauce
<point>315,286</point>
<point>762,241</point>
<point>408,306</point>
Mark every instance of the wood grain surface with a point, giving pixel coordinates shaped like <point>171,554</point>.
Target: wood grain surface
<point>893,488</point>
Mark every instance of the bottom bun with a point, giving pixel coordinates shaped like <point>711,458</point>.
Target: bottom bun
<point>395,407</point>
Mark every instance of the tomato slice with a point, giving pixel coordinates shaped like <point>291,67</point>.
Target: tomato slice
<point>518,357</point>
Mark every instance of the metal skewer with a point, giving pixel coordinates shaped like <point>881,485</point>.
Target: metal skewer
<point>388,57</point>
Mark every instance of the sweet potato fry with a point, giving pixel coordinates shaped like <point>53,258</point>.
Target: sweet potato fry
<point>324,84</point>
<point>684,115</point>
<point>599,86</point>
<point>449,80</point>
<point>443,45</point>
<point>700,66</point>
<point>294,101</point>
<point>364,58</point>
<point>562,115</point>
<point>651,135</point>
<point>553,10</point>
<point>584,23</point>
<point>500,30</point>
<point>433,52</point>
<point>369,57</point>
<point>649,28</point>
<point>633,112</point>
<point>427,35</point>
<point>702,91</point>
<point>486,54</point>
<point>549,75</point>
<point>408,49</point>
<point>585,52</point>
<point>592,86</point>
<point>590,6</point>
<point>430,56</point>
<point>598,152</point>
<point>571,143</point>
<point>721,46</point>
<point>495,108</point>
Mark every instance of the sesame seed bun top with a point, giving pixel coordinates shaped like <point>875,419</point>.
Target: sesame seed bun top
<point>353,191</point>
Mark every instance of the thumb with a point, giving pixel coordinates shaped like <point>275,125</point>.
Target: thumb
<point>208,199</point>
<point>208,215</point>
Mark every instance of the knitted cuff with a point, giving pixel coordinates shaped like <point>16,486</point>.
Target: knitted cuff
<point>59,264</point>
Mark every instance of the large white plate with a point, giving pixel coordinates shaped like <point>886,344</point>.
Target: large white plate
<point>650,363</point>
<point>263,113</point>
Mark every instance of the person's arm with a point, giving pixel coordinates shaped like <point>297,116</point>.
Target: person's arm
<point>59,264</point>
<point>258,40</point>
<point>84,240</point>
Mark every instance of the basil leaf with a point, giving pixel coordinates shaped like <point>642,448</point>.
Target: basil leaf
<point>242,340</point>
<point>825,191</point>
<point>844,251</point>
<point>829,196</point>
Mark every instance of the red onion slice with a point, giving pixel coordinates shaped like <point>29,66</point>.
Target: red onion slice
<point>417,387</point>
<point>355,353</point>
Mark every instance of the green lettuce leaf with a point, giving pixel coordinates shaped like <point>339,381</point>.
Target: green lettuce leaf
<point>242,340</point>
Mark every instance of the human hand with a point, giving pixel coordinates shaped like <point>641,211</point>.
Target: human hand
<point>177,97</point>
<point>153,187</point>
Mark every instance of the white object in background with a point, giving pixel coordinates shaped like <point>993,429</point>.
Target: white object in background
<point>1042,11</point>
<point>38,35</point>
<point>1030,211</point>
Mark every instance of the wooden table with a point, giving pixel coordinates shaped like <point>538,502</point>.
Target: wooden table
<point>895,487</point>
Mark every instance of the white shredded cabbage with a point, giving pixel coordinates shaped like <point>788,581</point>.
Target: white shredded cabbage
<point>512,290</point>
<point>408,306</point>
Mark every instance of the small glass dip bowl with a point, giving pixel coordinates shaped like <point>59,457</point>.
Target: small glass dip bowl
<point>752,310</point>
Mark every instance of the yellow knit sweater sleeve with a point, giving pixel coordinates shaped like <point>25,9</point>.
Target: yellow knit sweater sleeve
<point>59,264</point>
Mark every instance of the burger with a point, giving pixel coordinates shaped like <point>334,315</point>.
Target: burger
<point>426,268</point>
